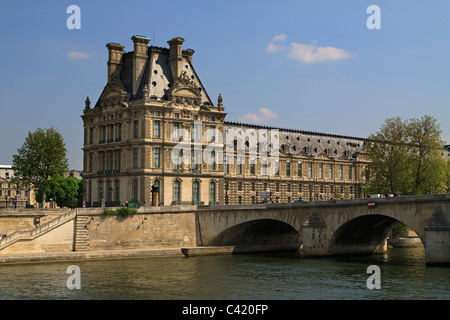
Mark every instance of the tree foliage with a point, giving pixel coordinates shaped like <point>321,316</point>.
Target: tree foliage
<point>41,157</point>
<point>406,157</point>
<point>66,192</point>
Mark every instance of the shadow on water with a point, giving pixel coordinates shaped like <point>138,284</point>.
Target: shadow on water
<point>281,275</point>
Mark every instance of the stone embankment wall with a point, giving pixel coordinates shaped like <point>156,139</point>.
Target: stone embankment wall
<point>92,230</point>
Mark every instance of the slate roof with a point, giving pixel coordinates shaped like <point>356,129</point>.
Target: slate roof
<point>157,75</point>
<point>310,143</point>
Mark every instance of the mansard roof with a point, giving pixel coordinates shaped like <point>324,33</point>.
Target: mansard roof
<point>157,77</point>
<point>292,142</point>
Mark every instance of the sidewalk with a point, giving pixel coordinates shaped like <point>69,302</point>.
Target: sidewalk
<point>89,255</point>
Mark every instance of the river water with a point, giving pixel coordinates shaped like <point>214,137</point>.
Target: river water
<point>403,275</point>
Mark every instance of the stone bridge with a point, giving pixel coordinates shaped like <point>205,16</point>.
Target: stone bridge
<point>330,227</point>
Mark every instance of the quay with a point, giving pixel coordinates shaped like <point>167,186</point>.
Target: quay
<point>321,228</point>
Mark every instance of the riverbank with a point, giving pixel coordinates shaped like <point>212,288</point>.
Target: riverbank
<point>142,253</point>
<point>89,255</point>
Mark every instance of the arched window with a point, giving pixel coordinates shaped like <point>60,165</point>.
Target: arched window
<point>109,191</point>
<point>100,191</point>
<point>157,184</point>
<point>176,191</point>
<point>195,191</point>
<point>117,190</point>
<point>212,192</point>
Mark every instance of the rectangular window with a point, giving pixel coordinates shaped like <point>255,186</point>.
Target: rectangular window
<point>111,160</point>
<point>91,134</point>
<point>156,157</point>
<point>212,164</point>
<point>350,175</point>
<point>100,191</point>
<point>156,129</point>
<point>112,138</point>
<point>176,132</point>
<point>176,160</point>
<point>91,162</point>
<point>331,171</point>
<point>239,164</point>
<point>119,138</point>
<point>103,161</point>
<point>104,134</point>
<point>195,130</point>
<point>117,190</point>
<point>212,133</point>
<point>288,168</point>
<point>252,166</point>
<point>135,158</point>
<point>136,128</point>
<point>320,170</point>
<point>225,164</point>
<point>341,174</point>
<point>212,192</point>
<point>239,186</point>
<point>309,169</point>
<point>299,169</point>
<point>196,159</point>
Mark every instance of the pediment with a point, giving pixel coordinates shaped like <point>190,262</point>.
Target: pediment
<point>112,96</point>
<point>186,92</point>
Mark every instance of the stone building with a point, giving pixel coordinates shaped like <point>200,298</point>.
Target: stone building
<point>154,124</point>
<point>10,195</point>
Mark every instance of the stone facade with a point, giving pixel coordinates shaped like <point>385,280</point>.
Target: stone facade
<point>155,125</point>
<point>10,195</point>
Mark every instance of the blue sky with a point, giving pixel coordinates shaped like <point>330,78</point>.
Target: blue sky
<point>308,65</point>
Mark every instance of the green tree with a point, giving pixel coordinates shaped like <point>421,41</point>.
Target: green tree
<point>387,151</point>
<point>426,162</point>
<point>66,192</point>
<point>41,157</point>
<point>405,156</point>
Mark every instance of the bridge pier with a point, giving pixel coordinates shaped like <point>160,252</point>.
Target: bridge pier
<point>315,238</point>
<point>437,246</point>
<point>437,237</point>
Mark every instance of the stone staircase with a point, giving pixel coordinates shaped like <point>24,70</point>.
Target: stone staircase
<point>81,233</point>
<point>39,231</point>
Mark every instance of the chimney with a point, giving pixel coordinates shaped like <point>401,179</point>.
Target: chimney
<point>175,57</point>
<point>139,59</point>
<point>115,51</point>
<point>189,53</point>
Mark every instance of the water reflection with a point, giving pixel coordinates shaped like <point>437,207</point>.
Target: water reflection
<point>404,275</point>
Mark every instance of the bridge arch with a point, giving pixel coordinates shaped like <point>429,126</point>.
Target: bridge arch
<point>258,232</point>
<point>363,234</point>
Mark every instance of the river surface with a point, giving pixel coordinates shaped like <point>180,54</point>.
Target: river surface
<point>403,275</point>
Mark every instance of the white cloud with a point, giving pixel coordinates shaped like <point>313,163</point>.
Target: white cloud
<point>279,37</point>
<point>74,55</point>
<point>273,48</point>
<point>262,116</point>
<point>310,53</point>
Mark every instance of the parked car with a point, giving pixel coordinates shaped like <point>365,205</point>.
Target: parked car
<point>301,200</point>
